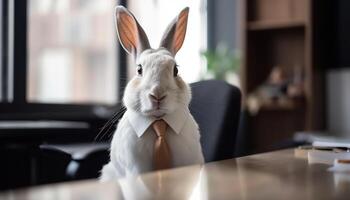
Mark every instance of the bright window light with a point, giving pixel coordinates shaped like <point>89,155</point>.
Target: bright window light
<point>155,15</point>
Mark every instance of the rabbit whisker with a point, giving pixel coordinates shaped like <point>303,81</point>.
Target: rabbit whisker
<point>110,123</point>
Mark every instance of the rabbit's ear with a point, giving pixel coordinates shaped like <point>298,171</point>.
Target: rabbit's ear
<point>174,35</point>
<point>131,35</point>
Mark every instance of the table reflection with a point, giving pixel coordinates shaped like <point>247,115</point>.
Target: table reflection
<point>184,184</point>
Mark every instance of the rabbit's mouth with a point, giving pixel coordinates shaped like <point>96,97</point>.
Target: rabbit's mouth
<point>158,113</point>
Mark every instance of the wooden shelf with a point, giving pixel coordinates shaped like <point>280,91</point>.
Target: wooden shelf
<point>270,25</point>
<point>289,105</point>
<point>283,33</point>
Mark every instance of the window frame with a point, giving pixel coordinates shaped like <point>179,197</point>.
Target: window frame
<point>14,105</point>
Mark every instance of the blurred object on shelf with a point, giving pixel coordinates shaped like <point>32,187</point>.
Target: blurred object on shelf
<point>278,92</point>
<point>223,63</point>
<point>296,86</point>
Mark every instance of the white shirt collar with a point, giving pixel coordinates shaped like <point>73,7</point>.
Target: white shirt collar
<point>176,120</point>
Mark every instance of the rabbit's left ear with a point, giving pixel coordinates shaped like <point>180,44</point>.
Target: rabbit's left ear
<point>174,35</point>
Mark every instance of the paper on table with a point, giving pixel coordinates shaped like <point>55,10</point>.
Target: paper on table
<point>326,157</point>
<point>321,139</point>
<point>340,166</point>
<point>332,143</point>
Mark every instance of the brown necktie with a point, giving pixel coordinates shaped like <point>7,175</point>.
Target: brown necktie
<point>162,154</point>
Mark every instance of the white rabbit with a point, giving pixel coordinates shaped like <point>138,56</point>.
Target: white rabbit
<point>155,92</point>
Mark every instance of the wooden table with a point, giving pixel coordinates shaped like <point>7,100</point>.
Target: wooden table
<point>274,175</point>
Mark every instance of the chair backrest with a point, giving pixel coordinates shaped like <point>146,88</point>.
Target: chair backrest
<point>216,107</point>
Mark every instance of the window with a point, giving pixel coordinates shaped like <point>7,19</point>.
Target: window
<point>60,59</point>
<point>71,51</point>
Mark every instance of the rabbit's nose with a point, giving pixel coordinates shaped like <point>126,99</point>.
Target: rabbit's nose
<point>156,97</point>
<point>157,93</point>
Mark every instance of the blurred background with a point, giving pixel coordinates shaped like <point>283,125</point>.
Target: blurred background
<point>63,72</point>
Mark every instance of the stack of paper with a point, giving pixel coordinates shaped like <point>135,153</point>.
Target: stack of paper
<point>332,144</point>
<point>327,157</point>
<point>325,151</point>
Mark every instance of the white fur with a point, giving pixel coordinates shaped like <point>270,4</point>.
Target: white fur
<point>157,73</point>
<point>130,154</point>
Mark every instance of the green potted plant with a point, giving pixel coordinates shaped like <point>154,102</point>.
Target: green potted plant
<point>222,62</point>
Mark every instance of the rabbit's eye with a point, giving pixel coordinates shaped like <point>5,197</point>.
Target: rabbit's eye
<point>139,70</point>
<point>176,71</point>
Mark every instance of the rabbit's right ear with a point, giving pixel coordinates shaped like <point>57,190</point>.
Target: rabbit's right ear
<point>174,35</point>
<point>131,35</point>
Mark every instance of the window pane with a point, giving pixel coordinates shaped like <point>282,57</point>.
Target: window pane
<point>154,17</point>
<point>72,51</point>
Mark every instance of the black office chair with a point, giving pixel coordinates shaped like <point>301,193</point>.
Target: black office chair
<point>216,107</point>
<point>88,166</point>
<point>86,160</point>
<point>51,165</point>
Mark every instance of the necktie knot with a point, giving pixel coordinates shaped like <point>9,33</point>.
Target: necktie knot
<point>159,127</point>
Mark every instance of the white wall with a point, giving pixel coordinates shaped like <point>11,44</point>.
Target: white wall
<point>338,98</point>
